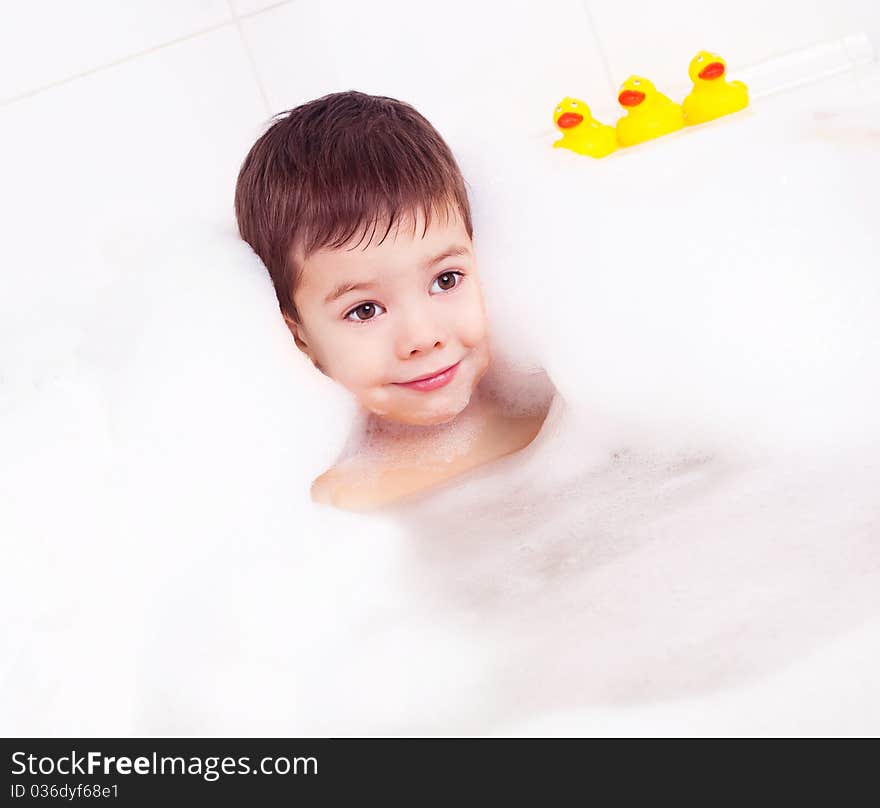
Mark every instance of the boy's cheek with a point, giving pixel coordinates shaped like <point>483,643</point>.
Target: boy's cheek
<point>356,368</point>
<point>473,327</point>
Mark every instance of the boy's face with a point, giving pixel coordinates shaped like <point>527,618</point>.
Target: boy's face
<point>421,313</point>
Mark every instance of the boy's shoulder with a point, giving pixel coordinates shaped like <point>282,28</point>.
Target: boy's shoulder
<point>346,486</point>
<point>325,485</point>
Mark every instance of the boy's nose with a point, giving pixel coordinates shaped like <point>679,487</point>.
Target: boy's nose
<point>420,334</point>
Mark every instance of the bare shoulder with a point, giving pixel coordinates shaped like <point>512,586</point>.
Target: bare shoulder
<point>345,486</point>
<point>325,485</point>
<point>349,488</point>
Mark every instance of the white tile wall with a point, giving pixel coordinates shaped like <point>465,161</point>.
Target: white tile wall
<point>494,65</point>
<point>45,41</point>
<point>294,52</point>
<point>244,7</point>
<point>132,148</point>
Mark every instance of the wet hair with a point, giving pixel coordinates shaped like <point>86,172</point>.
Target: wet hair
<point>332,167</point>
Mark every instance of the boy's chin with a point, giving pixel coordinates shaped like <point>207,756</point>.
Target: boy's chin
<point>423,417</point>
<point>434,419</point>
<point>431,413</point>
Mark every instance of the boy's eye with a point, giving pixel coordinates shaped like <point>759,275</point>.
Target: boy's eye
<point>366,311</point>
<point>446,281</point>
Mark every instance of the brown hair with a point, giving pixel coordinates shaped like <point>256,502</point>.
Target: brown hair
<point>334,165</point>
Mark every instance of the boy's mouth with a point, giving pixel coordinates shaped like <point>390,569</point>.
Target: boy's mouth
<point>433,380</point>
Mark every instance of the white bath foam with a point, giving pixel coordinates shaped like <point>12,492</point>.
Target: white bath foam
<point>655,586</point>
<point>830,693</point>
<point>65,573</point>
<point>213,351</point>
<point>326,624</point>
<point>520,389</point>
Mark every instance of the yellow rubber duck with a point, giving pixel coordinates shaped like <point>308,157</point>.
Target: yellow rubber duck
<point>649,112</point>
<point>580,131</point>
<point>713,95</point>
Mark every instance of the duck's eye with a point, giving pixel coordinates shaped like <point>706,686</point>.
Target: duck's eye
<point>699,58</point>
<point>364,312</point>
<point>637,83</point>
<point>574,103</point>
<point>559,109</point>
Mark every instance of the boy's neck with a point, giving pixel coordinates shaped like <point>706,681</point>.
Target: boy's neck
<point>436,444</point>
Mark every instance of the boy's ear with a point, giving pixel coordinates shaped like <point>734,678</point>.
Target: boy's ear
<point>297,331</point>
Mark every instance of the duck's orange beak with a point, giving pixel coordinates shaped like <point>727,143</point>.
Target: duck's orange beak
<point>569,119</point>
<point>631,98</point>
<point>713,70</point>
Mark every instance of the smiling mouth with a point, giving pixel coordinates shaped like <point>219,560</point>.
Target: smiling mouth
<point>434,380</point>
<point>429,376</point>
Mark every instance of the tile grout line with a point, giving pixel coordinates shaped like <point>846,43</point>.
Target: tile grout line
<point>603,56</point>
<point>262,10</point>
<point>115,63</point>
<point>250,56</point>
<point>234,19</point>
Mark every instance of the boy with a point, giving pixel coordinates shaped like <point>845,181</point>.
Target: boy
<point>358,209</point>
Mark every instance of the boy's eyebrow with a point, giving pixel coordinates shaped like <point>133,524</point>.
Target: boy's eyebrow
<point>345,288</point>
<point>349,286</point>
<point>450,252</point>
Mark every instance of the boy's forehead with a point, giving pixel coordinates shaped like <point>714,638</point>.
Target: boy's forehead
<point>403,247</point>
